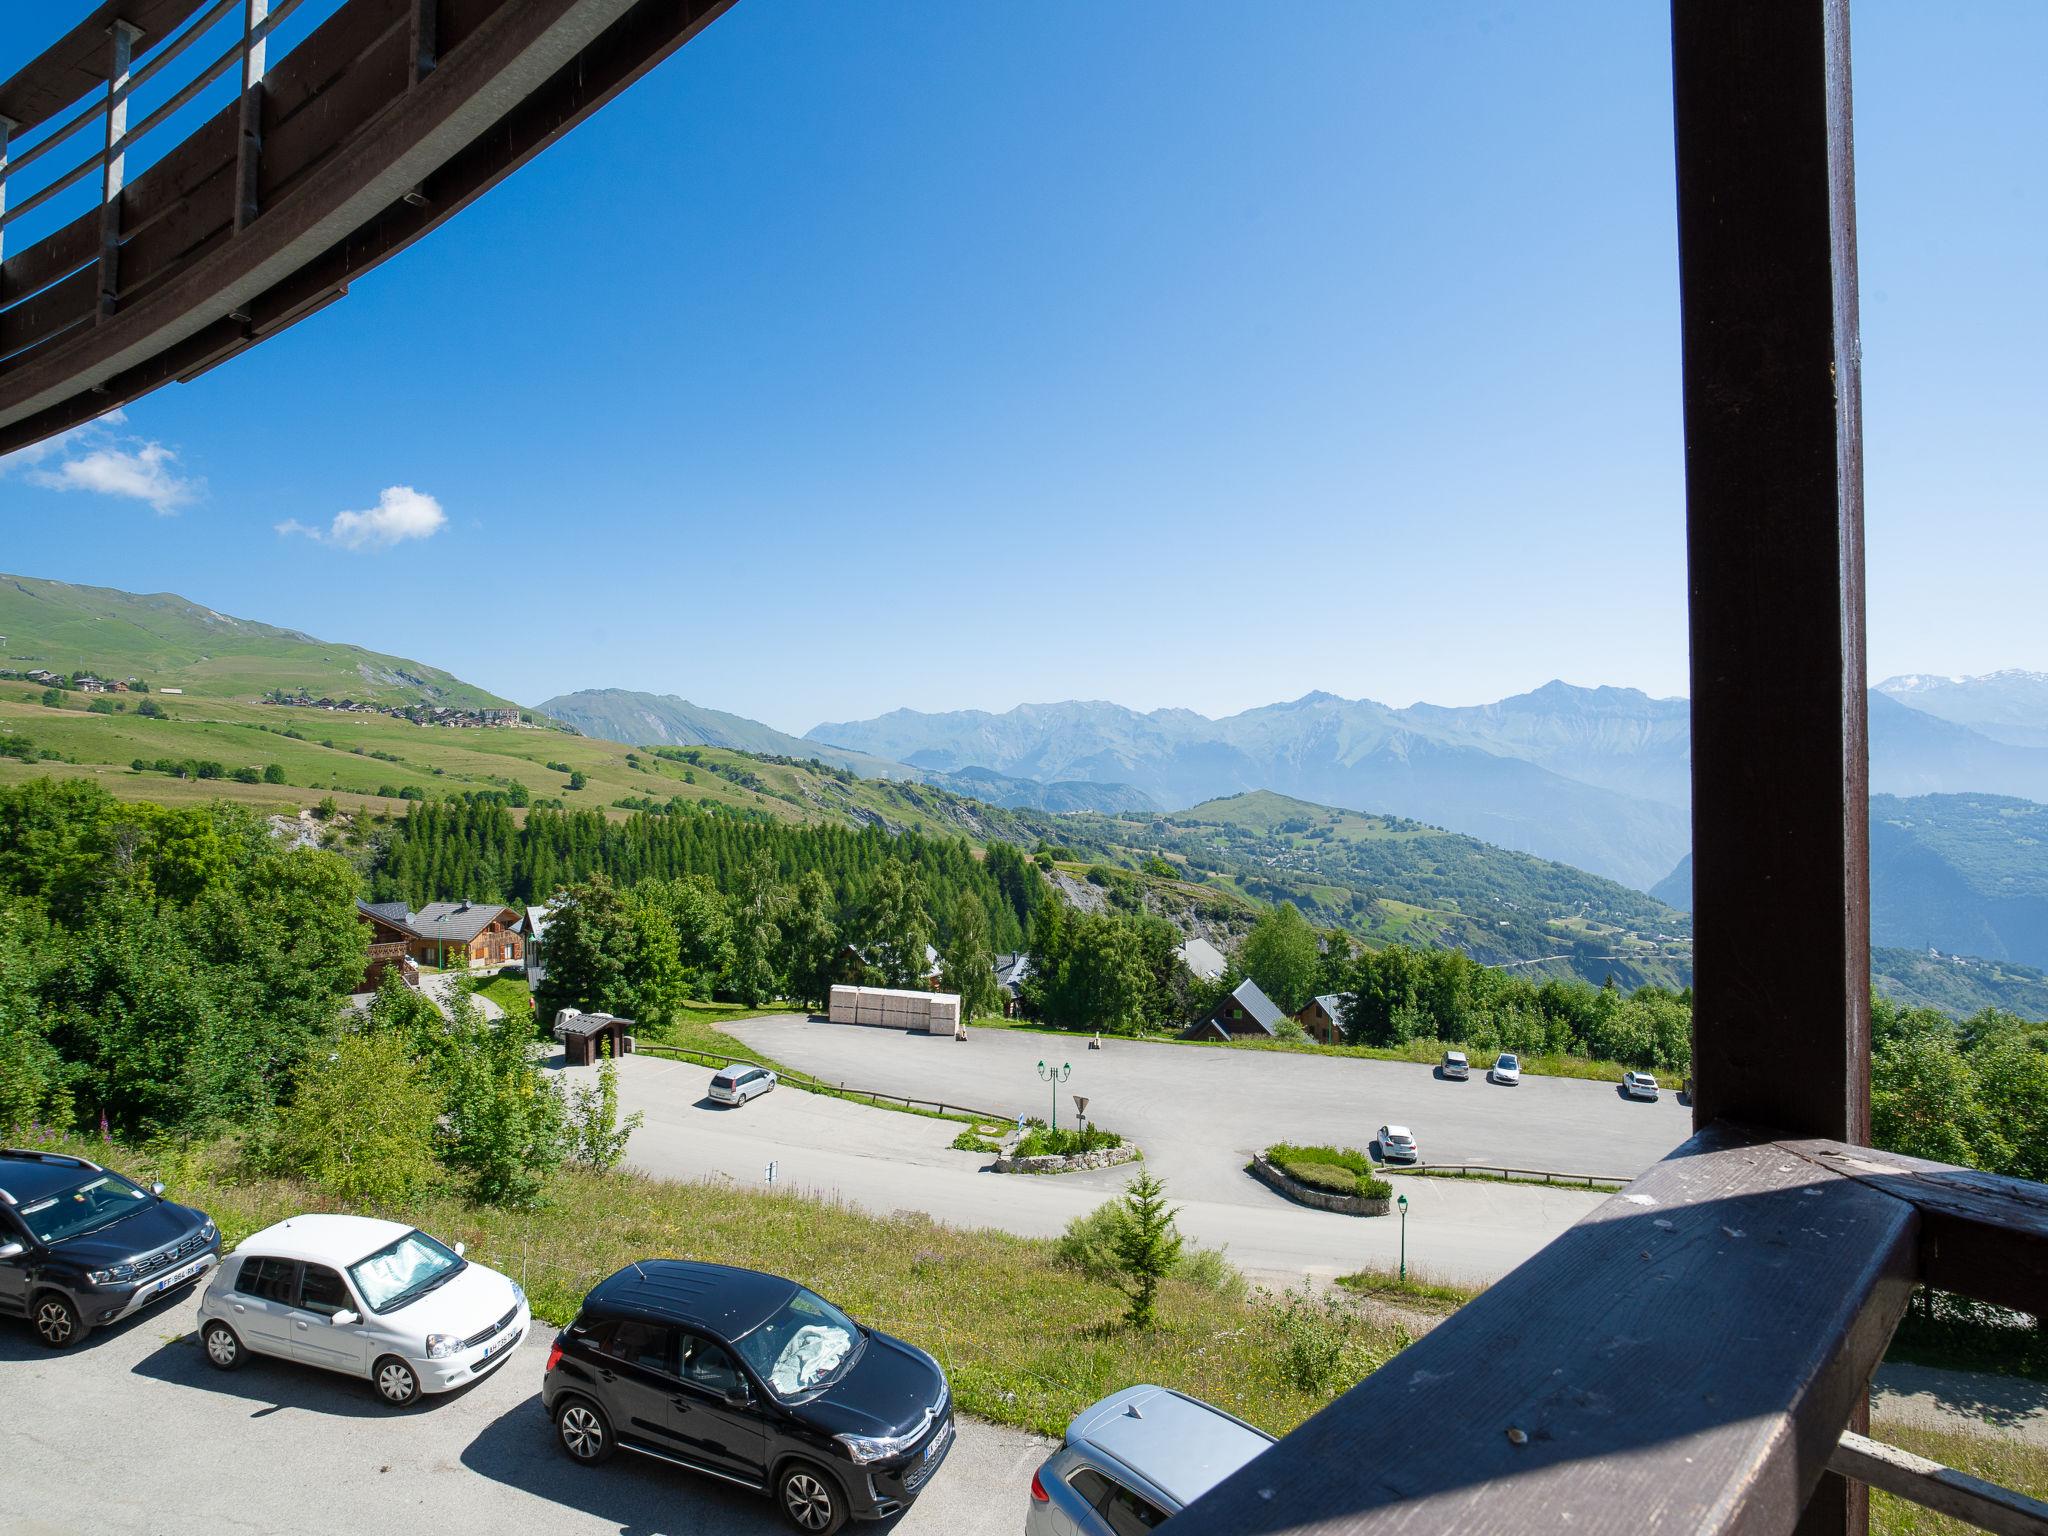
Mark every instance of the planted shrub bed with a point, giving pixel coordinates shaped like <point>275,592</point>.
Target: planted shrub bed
<point>1329,1178</point>
<point>1044,1150</point>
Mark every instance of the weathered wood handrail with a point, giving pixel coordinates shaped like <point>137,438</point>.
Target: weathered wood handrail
<point>1683,1359</point>
<point>1985,1505</point>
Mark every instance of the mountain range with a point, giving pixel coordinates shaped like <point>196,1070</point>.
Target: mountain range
<point>1596,777</point>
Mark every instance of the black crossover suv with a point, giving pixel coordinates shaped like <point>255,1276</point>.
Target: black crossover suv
<point>752,1379</point>
<point>81,1247</point>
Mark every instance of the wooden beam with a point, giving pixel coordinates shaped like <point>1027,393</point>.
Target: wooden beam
<point>1942,1489</point>
<point>1774,532</point>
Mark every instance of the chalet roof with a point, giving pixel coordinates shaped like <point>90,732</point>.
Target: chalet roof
<point>1011,970</point>
<point>1332,1003</point>
<point>1203,958</point>
<point>457,922</point>
<point>396,913</point>
<point>571,1023</point>
<point>1255,1002</point>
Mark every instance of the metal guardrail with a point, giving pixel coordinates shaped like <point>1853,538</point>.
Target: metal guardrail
<point>811,1084</point>
<point>1509,1175</point>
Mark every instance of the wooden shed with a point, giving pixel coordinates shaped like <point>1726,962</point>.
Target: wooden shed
<point>587,1036</point>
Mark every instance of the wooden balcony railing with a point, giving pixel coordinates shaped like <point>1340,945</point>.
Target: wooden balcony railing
<point>1685,1359</point>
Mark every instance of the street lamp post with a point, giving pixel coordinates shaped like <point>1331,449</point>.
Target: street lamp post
<point>1403,1203</point>
<point>1055,1076</point>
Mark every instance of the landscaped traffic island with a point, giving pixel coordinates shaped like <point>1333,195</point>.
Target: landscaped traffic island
<point>1043,1150</point>
<point>1337,1179</point>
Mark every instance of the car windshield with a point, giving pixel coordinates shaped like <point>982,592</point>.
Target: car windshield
<point>99,1202</point>
<point>1509,1061</point>
<point>404,1271</point>
<point>804,1347</point>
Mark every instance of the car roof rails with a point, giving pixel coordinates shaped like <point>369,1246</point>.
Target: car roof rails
<point>52,1157</point>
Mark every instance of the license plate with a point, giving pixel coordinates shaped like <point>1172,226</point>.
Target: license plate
<point>177,1277</point>
<point>938,1442</point>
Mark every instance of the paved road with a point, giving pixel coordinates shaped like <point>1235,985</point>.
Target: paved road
<point>1962,1400</point>
<point>135,1432</point>
<point>884,1162</point>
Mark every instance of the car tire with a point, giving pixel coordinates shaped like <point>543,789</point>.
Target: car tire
<point>396,1382</point>
<point>57,1323</point>
<point>810,1500</point>
<point>223,1350</point>
<point>583,1432</point>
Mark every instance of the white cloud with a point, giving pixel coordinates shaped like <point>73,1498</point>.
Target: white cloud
<point>401,513</point>
<point>95,458</point>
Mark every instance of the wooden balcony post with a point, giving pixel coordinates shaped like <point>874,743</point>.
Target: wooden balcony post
<point>249,145</point>
<point>7,127</point>
<point>121,37</point>
<point>1774,534</point>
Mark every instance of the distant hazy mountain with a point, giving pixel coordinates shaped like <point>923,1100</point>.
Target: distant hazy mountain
<point>663,720</point>
<point>1448,768</point>
<point>2010,706</point>
<point>1963,874</point>
<point>1616,738</point>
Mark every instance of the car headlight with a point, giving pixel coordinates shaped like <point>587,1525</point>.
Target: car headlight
<point>120,1274</point>
<point>441,1345</point>
<point>518,1293</point>
<point>208,1232</point>
<point>866,1448</point>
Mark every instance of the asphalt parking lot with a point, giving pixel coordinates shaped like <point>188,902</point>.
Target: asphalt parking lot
<point>134,1432</point>
<point>1199,1114</point>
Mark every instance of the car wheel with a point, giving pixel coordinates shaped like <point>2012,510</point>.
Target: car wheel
<point>581,1430</point>
<point>397,1383</point>
<point>223,1349</point>
<point>809,1499</point>
<point>58,1324</point>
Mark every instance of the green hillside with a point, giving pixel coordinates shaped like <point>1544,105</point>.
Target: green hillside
<point>663,720</point>
<point>168,641</point>
<point>1959,985</point>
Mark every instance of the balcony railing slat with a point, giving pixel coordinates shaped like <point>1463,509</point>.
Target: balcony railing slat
<point>1683,1359</point>
<point>1942,1489</point>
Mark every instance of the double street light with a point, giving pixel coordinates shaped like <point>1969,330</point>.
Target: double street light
<point>1055,1076</point>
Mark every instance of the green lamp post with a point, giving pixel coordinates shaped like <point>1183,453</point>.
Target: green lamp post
<point>1055,1076</point>
<point>1403,1203</point>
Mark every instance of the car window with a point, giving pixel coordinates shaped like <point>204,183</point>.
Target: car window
<point>707,1365</point>
<point>1090,1484</point>
<point>99,1202</point>
<point>721,1081</point>
<point>321,1291</point>
<point>267,1279</point>
<point>651,1346</point>
<point>1125,1513</point>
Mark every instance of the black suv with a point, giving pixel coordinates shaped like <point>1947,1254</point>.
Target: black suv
<point>752,1379</point>
<point>81,1247</point>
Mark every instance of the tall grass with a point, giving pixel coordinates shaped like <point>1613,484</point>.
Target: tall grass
<point>1027,1339</point>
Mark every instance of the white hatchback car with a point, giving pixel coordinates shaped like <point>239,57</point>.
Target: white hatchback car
<point>739,1083</point>
<point>1507,1068</point>
<point>1397,1145</point>
<point>368,1298</point>
<point>1639,1085</point>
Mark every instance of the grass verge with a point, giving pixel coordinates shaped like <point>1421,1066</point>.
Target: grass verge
<point>1595,1182</point>
<point>1026,1338</point>
<point>1416,1291</point>
<point>2002,1459</point>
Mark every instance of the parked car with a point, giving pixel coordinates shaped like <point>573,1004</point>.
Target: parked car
<point>1133,1460</point>
<point>81,1247</point>
<point>372,1299</point>
<point>1507,1068</point>
<point>1639,1085</point>
<point>1455,1065</point>
<point>753,1379</point>
<point>1397,1144</point>
<point>737,1084</point>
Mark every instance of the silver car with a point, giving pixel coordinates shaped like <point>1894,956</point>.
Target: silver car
<point>739,1083</point>
<point>1132,1460</point>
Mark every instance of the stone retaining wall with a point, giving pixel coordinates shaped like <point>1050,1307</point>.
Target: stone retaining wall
<point>1268,1172</point>
<point>1108,1157</point>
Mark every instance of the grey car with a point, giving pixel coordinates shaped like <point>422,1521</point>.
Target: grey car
<point>1134,1459</point>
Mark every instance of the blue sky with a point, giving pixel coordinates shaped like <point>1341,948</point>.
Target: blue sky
<point>942,356</point>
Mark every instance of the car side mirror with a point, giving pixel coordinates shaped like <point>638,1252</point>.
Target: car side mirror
<point>157,1188</point>
<point>460,1250</point>
<point>11,1249</point>
<point>344,1317</point>
<point>738,1397</point>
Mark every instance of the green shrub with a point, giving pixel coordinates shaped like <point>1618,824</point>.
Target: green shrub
<point>1319,1353</point>
<point>1040,1141</point>
<point>1324,1176</point>
<point>971,1139</point>
<point>1089,1245</point>
<point>363,1124</point>
<point>1338,1170</point>
<point>1341,1157</point>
